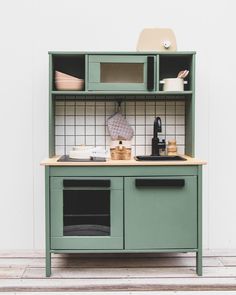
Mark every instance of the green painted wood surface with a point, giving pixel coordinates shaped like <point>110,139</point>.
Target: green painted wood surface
<point>114,241</point>
<point>109,95</point>
<point>47,222</point>
<point>199,218</point>
<point>161,217</point>
<point>124,171</point>
<point>122,52</point>
<point>95,75</point>
<point>190,116</point>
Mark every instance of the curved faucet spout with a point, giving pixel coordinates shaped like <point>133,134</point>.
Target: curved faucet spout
<point>157,127</point>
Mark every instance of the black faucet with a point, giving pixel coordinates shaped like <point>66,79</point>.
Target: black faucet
<point>156,144</point>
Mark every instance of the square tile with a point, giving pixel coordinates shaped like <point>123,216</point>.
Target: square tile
<point>180,139</point>
<point>100,120</point>
<point>170,120</point>
<point>170,110</point>
<point>140,130</point>
<point>70,140</point>
<point>79,140</point>
<point>80,120</point>
<point>149,129</point>
<point>140,120</point>
<point>70,130</point>
<point>140,140</point>
<point>79,130</point>
<point>180,110</point>
<point>170,129</point>
<point>140,110</point>
<point>100,130</point>
<point>100,140</point>
<point>70,110</point>
<point>60,111</point>
<point>59,140</point>
<point>180,120</point>
<point>130,119</point>
<point>59,120</point>
<point>160,110</point>
<point>90,110</point>
<point>90,140</point>
<point>90,120</point>
<point>70,120</point>
<point>100,111</point>
<point>90,130</point>
<point>80,111</point>
<point>180,130</point>
<point>150,119</point>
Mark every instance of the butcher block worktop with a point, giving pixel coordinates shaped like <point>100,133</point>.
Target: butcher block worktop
<point>189,161</point>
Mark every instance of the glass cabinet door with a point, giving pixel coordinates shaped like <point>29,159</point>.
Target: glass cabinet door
<point>86,213</point>
<point>122,72</point>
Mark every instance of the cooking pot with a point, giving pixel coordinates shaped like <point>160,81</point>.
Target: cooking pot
<point>173,84</point>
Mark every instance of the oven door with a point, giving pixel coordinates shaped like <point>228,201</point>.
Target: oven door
<point>86,213</point>
<point>122,73</point>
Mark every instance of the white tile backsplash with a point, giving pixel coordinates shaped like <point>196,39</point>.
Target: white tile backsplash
<point>80,122</point>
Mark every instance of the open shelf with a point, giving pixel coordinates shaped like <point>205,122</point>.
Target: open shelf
<point>73,65</point>
<point>171,65</point>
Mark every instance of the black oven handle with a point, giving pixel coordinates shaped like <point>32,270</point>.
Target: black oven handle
<point>150,73</point>
<point>150,182</point>
<point>86,182</point>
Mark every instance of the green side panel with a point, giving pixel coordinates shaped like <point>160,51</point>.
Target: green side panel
<point>190,116</point>
<point>114,241</point>
<point>124,171</point>
<point>161,217</point>
<point>51,117</point>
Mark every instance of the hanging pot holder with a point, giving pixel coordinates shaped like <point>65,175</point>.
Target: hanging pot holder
<point>119,127</point>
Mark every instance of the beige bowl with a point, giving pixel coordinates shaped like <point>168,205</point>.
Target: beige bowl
<point>63,76</point>
<point>67,82</point>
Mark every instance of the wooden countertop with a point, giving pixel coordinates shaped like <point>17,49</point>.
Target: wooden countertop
<point>132,162</point>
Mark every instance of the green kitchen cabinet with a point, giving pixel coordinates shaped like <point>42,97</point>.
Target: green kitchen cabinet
<point>160,212</point>
<point>122,208</point>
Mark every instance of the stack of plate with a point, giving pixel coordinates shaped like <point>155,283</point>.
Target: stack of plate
<point>81,152</point>
<point>68,82</point>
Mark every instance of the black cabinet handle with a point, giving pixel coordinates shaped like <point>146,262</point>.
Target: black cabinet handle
<point>86,183</point>
<point>149,182</point>
<point>150,73</point>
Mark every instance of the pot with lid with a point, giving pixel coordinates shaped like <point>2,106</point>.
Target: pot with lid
<point>120,150</point>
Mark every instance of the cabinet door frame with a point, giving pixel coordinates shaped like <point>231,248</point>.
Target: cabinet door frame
<point>161,231</point>
<point>113,241</point>
<point>94,74</point>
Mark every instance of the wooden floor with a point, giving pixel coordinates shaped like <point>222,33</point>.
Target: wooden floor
<point>131,272</point>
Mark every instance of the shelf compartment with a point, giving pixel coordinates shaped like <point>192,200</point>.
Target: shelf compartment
<point>73,65</point>
<point>171,65</point>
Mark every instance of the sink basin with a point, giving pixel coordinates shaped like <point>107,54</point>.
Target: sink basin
<point>159,158</point>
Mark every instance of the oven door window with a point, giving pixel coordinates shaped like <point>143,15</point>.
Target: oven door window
<point>86,212</point>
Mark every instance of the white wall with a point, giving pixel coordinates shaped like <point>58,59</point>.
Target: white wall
<point>29,28</point>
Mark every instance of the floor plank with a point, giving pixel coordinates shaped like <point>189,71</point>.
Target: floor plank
<point>109,273</point>
<point>131,284</point>
<point>88,272</point>
<point>111,262</point>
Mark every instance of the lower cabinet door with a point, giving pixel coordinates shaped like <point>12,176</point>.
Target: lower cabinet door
<point>86,213</point>
<point>160,212</point>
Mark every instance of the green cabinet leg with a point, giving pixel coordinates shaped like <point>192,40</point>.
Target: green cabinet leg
<point>48,264</point>
<point>199,263</point>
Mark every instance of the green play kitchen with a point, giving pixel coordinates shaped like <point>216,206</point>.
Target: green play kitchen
<point>121,176</point>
